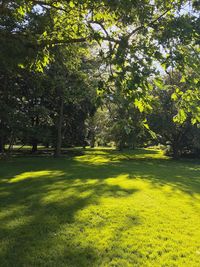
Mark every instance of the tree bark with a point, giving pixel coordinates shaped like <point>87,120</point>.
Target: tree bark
<point>34,145</point>
<point>34,139</point>
<point>10,148</point>
<point>2,145</point>
<point>47,145</point>
<point>120,145</point>
<point>175,151</point>
<point>92,141</point>
<point>57,152</point>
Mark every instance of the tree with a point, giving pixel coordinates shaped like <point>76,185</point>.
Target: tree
<point>71,88</point>
<point>119,125</point>
<point>47,40</point>
<point>179,133</point>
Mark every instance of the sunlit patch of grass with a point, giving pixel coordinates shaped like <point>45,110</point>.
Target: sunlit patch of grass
<point>36,174</point>
<point>105,208</point>
<point>104,156</point>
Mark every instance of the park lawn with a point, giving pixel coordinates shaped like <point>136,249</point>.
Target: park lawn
<point>102,208</point>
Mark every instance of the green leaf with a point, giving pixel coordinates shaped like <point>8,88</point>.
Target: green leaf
<point>174,96</point>
<point>193,121</point>
<point>180,117</point>
<point>71,4</point>
<point>139,104</point>
<point>183,80</point>
<point>158,83</point>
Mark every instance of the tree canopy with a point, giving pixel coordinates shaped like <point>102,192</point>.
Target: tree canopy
<point>62,61</point>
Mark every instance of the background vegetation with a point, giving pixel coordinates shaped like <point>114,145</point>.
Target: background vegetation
<point>77,73</point>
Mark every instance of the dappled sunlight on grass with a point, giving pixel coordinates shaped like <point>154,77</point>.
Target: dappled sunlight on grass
<point>105,208</point>
<point>126,182</point>
<point>103,156</point>
<point>17,222</point>
<point>93,159</point>
<point>36,174</point>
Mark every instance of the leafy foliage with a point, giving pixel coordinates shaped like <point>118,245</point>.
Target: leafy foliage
<point>56,55</point>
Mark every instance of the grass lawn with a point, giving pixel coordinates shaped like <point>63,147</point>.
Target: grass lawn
<point>103,208</point>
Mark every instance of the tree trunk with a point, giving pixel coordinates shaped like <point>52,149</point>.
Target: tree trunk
<point>34,141</point>
<point>47,145</point>
<point>11,143</point>
<point>57,152</point>
<point>2,145</point>
<point>175,151</point>
<point>92,141</point>
<point>34,145</point>
<point>120,145</point>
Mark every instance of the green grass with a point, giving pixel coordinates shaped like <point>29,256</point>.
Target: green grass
<point>100,209</point>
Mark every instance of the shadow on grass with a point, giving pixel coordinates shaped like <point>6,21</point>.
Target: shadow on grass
<point>39,198</point>
<point>30,221</point>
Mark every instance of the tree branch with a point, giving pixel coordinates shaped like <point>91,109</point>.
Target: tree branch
<point>149,24</point>
<point>67,41</point>
<point>44,3</point>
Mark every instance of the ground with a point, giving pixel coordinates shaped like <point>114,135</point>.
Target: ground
<point>102,208</point>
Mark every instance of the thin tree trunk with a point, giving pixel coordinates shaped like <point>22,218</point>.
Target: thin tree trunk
<point>34,145</point>
<point>2,145</point>
<point>11,143</point>
<point>47,145</point>
<point>175,151</point>
<point>92,141</point>
<point>57,152</point>
<point>34,141</point>
<point>120,146</point>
